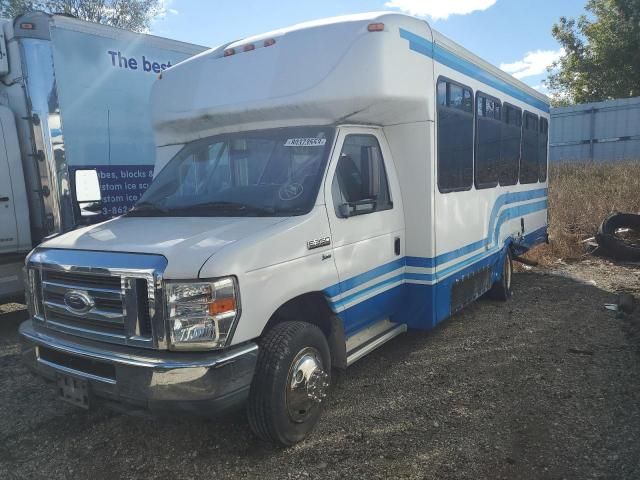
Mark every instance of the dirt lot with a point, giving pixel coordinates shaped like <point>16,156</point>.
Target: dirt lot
<point>546,386</point>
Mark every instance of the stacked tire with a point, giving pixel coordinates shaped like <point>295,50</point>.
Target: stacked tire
<point>613,243</point>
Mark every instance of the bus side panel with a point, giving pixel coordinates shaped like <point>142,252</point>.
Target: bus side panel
<point>412,147</point>
<point>473,227</point>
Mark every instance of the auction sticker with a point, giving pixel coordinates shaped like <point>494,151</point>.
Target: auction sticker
<point>305,142</point>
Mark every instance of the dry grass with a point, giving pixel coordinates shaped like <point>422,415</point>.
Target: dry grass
<point>580,197</point>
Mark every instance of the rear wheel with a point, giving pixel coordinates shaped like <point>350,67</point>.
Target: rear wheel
<point>501,290</point>
<point>290,383</point>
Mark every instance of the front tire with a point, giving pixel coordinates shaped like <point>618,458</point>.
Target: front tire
<point>291,381</point>
<point>501,290</point>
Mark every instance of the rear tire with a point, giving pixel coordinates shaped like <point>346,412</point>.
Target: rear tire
<point>501,290</point>
<point>292,377</point>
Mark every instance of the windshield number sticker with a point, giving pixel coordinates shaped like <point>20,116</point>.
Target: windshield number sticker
<point>305,142</point>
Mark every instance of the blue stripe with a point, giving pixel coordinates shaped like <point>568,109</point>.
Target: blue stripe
<point>441,55</point>
<point>518,211</point>
<point>424,306</point>
<point>513,197</point>
<point>492,237</point>
<point>371,274</point>
<point>362,293</point>
<point>494,226</point>
<point>421,262</point>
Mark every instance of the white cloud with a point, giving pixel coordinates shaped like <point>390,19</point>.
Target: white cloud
<point>166,8</point>
<point>440,9</point>
<point>533,63</point>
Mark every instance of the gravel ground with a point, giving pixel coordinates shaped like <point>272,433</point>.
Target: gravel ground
<point>546,386</point>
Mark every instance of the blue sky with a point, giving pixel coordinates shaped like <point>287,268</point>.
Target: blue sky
<point>512,34</point>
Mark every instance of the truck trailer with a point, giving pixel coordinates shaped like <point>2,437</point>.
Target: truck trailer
<point>319,190</point>
<point>74,104</point>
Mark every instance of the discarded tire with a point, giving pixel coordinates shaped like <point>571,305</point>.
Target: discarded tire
<point>612,243</point>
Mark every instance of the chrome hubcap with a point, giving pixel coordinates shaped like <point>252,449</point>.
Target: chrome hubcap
<point>307,384</point>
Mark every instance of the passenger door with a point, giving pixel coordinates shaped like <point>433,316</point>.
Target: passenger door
<point>8,225</point>
<point>364,206</point>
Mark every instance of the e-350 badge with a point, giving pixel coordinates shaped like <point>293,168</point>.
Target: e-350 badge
<point>319,242</point>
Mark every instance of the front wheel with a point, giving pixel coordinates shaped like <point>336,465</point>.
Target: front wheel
<point>291,381</point>
<point>501,290</point>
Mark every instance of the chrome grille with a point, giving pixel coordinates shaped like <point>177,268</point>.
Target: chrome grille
<point>108,313</point>
<point>98,295</point>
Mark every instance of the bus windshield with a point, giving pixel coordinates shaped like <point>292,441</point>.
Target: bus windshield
<point>260,173</point>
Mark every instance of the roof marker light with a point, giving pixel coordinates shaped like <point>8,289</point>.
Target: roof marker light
<point>248,47</point>
<point>229,51</point>
<point>269,41</point>
<point>376,27</point>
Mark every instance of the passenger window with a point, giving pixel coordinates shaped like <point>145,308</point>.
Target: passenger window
<point>455,136</point>
<point>543,140</point>
<point>529,162</point>
<point>510,145</point>
<point>360,183</point>
<point>488,129</point>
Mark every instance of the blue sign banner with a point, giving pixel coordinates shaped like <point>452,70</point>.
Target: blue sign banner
<point>103,85</point>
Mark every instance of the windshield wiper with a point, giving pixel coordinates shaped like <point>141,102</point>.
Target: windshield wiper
<point>219,206</point>
<point>146,207</point>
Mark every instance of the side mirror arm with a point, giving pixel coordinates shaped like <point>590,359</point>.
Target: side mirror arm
<point>361,207</point>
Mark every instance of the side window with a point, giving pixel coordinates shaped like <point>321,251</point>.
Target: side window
<point>510,149</point>
<point>488,128</point>
<point>455,136</point>
<point>360,184</point>
<point>530,147</point>
<point>543,140</point>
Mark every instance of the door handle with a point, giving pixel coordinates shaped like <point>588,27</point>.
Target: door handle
<point>4,199</point>
<point>396,246</point>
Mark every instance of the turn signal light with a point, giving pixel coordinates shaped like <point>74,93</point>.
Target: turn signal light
<point>376,27</point>
<point>222,305</point>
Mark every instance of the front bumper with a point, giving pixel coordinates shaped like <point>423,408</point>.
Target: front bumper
<point>141,380</point>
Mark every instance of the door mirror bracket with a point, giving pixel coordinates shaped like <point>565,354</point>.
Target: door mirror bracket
<point>361,207</point>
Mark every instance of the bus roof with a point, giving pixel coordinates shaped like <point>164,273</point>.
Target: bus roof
<point>321,72</point>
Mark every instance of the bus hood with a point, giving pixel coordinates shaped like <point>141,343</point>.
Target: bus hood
<point>186,242</point>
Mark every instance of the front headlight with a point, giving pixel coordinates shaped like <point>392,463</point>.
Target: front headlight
<point>201,315</point>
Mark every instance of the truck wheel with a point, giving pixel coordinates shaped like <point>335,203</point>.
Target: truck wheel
<point>501,290</point>
<point>291,381</point>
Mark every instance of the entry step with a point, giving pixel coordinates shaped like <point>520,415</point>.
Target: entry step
<point>367,340</point>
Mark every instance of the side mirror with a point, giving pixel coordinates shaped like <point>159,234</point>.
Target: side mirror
<point>87,192</point>
<point>361,207</point>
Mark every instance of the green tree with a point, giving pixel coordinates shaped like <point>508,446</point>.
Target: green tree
<point>602,53</point>
<point>135,15</point>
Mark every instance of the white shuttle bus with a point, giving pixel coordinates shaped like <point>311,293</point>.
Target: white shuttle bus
<point>319,190</point>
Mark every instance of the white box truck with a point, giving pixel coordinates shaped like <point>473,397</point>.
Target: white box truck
<point>74,102</point>
<point>319,190</point>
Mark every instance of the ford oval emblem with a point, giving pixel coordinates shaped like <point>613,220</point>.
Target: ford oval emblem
<point>78,301</point>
